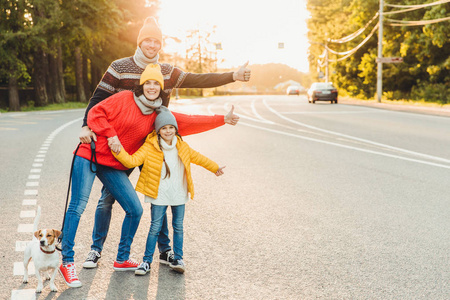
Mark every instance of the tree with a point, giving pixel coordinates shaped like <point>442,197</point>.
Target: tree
<point>200,52</point>
<point>425,49</point>
<point>13,44</point>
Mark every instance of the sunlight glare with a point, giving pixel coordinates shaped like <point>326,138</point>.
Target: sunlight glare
<point>247,29</point>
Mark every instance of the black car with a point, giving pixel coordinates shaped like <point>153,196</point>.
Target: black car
<point>322,91</point>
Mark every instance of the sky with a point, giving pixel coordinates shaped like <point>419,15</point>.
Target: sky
<point>249,30</point>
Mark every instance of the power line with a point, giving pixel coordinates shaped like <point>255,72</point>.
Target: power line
<point>406,8</point>
<point>349,52</point>
<point>355,34</point>
<point>418,5</point>
<point>413,7</point>
<point>416,23</point>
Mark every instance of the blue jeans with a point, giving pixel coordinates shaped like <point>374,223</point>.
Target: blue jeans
<point>103,219</point>
<point>117,182</point>
<point>158,214</point>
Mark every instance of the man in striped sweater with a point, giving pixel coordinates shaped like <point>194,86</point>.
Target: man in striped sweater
<point>124,74</point>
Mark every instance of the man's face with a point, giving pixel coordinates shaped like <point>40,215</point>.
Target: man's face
<point>150,47</point>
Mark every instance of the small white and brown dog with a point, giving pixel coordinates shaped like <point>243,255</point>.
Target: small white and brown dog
<point>43,252</point>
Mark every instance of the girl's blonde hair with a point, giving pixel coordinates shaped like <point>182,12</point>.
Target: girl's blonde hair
<point>164,159</point>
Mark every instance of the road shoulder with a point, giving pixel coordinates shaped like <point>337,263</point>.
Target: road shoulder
<point>430,110</point>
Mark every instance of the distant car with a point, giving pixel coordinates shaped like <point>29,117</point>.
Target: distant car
<point>322,91</point>
<point>293,90</point>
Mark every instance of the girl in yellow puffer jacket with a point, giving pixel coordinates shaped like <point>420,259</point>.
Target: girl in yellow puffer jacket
<point>165,180</point>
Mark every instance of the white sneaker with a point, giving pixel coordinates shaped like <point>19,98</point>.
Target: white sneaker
<point>143,269</point>
<point>91,260</point>
<point>178,266</point>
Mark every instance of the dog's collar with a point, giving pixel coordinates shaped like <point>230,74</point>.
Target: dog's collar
<point>47,252</point>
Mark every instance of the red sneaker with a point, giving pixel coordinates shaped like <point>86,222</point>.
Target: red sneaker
<point>129,265</point>
<point>69,274</point>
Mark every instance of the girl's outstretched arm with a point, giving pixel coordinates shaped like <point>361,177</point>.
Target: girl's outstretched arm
<point>192,124</point>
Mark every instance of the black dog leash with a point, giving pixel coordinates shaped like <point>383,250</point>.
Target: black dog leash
<point>93,160</point>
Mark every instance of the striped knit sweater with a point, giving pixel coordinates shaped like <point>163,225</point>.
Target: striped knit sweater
<point>124,74</point>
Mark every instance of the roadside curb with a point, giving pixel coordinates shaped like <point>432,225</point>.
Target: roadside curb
<point>437,111</point>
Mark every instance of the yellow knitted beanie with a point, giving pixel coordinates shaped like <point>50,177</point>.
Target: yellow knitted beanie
<point>150,29</point>
<point>152,72</point>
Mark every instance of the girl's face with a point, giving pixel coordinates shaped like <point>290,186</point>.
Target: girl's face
<point>151,89</point>
<point>167,133</point>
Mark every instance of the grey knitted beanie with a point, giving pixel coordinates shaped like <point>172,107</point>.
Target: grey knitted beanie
<point>164,117</point>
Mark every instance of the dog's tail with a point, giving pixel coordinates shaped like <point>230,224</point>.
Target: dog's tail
<point>36,219</point>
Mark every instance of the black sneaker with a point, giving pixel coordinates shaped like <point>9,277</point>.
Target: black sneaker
<point>178,266</point>
<point>143,269</point>
<point>166,257</point>
<point>91,260</point>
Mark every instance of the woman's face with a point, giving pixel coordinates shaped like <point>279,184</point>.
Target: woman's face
<point>151,89</point>
<point>167,133</point>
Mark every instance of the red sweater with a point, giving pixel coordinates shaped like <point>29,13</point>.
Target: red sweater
<point>119,115</point>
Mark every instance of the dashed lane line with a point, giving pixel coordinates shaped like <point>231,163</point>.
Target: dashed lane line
<point>28,215</point>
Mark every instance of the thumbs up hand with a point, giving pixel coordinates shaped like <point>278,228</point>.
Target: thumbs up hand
<point>243,74</point>
<point>231,118</point>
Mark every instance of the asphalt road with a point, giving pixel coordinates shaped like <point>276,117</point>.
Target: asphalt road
<point>318,201</point>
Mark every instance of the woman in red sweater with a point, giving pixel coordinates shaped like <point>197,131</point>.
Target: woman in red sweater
<point>124,119</point>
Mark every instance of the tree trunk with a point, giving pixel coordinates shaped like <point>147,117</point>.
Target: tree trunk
<point>86,84</point>
<point>96,72</point>
<point>14,103</point>
<point>52,81</point>
<point>61,94</point>
<point>81,95</point>
<point>40,89</point>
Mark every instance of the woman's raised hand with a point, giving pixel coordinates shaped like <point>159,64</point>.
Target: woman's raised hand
<point>231,118</point>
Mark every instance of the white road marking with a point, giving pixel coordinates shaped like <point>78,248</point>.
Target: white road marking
<point>27,294</point>
<point>356,138</point>
<point>25,228</point>
<point>21,245</point>
<point>325,112</point>
<point>29,202</point>
<point>27,213</point>
<point>28,228</point>
<point>348,147</point>
<point>30,193</point>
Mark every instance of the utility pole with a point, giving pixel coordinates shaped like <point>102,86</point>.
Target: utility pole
<point>380,54</point>
<point>326,61</point>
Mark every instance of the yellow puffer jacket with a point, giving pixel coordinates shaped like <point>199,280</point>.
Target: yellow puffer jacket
<point>151,156</point>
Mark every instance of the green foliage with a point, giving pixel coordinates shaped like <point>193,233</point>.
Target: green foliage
<point>425,49</point>
<point>437,92</point>
<point>105,30</point>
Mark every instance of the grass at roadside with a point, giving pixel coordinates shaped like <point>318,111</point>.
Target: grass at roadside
<point>58,106</point>
<point>80,105</point>
<point>421,103</point>
<point>72,105</point>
